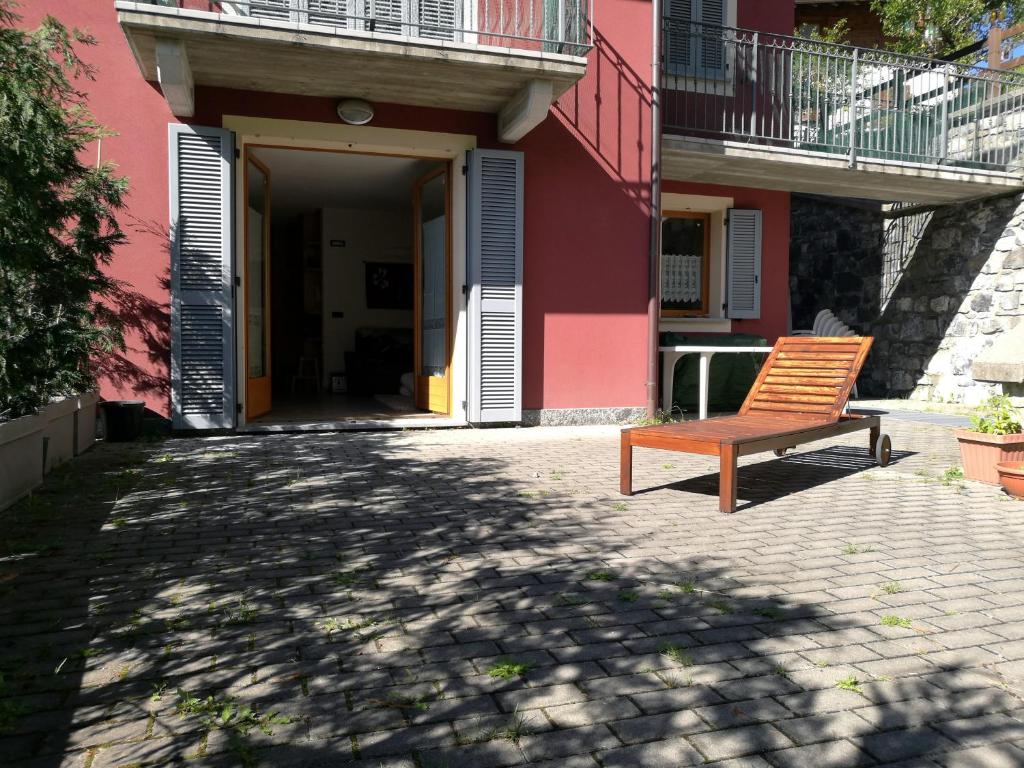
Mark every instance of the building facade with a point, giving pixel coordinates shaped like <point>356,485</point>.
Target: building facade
<point>441,212</point>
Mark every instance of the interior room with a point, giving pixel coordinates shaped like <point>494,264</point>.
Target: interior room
<point>336,330</point>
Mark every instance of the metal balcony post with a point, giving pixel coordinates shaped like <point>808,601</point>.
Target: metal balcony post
<point>853,109</point>
<point>944,151</point>
<point>753,83</point>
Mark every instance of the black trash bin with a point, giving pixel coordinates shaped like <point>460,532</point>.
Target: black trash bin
<point>122,420</point>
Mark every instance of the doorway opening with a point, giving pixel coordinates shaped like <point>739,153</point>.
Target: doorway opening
<point>347,289</point>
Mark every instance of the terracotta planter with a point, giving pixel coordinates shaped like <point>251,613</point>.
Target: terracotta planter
<point>980,453</point>
<point>1011,477</point>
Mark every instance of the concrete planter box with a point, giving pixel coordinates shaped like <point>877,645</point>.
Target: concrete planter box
<point>980,452</point>
<point>21,457</point>
<point>59,432</point>
<point>85,427</point>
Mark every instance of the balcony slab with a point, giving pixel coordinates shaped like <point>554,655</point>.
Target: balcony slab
<point>231,51</point>
<point>792,170</point>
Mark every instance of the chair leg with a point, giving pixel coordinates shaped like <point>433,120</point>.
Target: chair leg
<point>873,439</point>
<point>727,479</point>
<point>626,464</point>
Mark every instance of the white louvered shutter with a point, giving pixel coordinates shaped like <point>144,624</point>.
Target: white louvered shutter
<point>282,10</point>
<point>437,18</point>
<point>202,327</point>
<point>495,269</point>
<point>743,267</point>
<point>331,13</point>
<point>390,16</point>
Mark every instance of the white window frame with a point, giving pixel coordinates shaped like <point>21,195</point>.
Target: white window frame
<point>716,321</point>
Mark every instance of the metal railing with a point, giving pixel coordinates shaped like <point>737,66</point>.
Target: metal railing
<point>737,84</point>
<point>554,26</point>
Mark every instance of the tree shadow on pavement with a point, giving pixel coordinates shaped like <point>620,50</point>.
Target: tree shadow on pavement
<point>391,599</point>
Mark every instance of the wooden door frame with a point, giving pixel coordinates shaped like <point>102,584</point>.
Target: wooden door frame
<point>705,269</point>
<point>444,170</point>
<point>251,158</point>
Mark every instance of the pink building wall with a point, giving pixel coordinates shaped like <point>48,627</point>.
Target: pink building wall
<point>587,196</point>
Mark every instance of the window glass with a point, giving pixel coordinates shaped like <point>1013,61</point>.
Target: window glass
<point>684,266</point>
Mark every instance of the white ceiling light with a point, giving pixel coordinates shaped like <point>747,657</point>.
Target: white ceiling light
<point>355,111</point>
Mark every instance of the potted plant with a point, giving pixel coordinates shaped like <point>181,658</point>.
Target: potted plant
<point>995,437</point>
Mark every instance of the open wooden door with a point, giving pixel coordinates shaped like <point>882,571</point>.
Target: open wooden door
<point>257,288</point>
<point>432,294</point>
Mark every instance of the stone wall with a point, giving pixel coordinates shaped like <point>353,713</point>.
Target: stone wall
<point>835,259</point>
<point>934,287</point>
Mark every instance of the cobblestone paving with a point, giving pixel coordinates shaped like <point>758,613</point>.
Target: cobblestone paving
<point>486,598</point>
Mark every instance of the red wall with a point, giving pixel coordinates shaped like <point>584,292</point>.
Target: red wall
<point>766,15</point>
<point>587,179</point>
<point>586,210</point>
<point>121,100</point>
<point>774,207</point>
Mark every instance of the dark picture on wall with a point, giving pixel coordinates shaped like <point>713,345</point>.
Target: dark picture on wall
<point>388,285</point>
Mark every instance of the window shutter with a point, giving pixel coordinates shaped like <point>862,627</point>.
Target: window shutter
<point>712,46</point>
<point>389,16</point>
<point>202,323</point>
<point>331,13</point>
<point>694,42</point>
<point>679,35</point>
<point>438,18</point>
<point>743,268</point>
<point>495,268</point>
<point>272,9</point>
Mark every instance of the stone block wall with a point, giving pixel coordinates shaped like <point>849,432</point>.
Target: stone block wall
<point>934,287</point>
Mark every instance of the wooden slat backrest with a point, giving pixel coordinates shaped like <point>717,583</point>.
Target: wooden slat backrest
<point>808,377</point>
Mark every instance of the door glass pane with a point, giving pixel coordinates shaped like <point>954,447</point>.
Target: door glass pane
<point>256,274</point>
<point>682,265</point>
<point>434,319</point>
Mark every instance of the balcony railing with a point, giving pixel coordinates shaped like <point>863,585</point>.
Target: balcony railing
<point>555,26</point>
<point>736,84</point>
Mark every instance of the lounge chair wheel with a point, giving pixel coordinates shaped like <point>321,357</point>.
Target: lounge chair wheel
<point>883,450</point>
<point>780,452</point>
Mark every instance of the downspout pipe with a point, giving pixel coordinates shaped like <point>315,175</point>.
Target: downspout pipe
<point>654,253</point>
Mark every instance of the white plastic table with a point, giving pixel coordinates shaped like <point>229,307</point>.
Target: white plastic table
<point>671,355</point>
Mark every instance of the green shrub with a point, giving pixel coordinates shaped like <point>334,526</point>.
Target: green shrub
<point>57,225</point>
<point>996,416</point>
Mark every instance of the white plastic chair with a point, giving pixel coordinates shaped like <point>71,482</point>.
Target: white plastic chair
<point>819,320</point>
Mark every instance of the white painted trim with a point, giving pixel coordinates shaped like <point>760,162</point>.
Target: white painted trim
<point>716,322</point>
<point>370,140</point>
<point>674,201</point>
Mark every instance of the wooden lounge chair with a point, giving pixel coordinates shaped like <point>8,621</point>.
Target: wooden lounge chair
<point>798,397</point>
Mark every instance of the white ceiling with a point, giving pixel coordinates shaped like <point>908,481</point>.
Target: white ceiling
<point>304,180</point>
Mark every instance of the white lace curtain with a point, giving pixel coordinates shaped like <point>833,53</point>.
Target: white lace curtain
<point>680,277</point>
